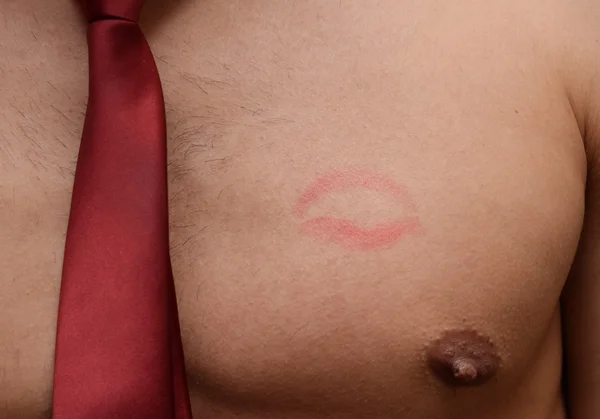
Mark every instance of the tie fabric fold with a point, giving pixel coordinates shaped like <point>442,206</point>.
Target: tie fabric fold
<point>115,9</point>
<point>118,346</point>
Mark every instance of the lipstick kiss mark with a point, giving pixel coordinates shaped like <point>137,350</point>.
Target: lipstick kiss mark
<point>344,232</point>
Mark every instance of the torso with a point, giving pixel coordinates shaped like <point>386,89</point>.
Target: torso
<point>458,119</point>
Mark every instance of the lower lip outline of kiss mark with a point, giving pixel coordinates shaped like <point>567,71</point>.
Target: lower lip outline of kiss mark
<point>344,232</point>
<point>347,234</point>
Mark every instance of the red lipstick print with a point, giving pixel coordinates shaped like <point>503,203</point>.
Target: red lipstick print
<point>344,232</point>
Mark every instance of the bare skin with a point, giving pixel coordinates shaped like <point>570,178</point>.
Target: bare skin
<point>483,112</point>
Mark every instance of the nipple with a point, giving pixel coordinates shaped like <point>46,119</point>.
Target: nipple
<point>463,358</point>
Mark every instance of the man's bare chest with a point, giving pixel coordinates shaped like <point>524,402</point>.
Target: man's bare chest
<point>335,207</point>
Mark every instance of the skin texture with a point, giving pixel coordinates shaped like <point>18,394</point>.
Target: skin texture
<point>484,112</point>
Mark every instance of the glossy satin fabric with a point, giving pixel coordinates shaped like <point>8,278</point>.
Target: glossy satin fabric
<point>118,348</point>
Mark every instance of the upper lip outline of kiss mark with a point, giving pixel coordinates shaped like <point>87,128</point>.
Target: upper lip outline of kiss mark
<point>344,232</point>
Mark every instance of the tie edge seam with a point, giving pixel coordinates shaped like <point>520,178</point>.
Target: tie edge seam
<point>111,17</point>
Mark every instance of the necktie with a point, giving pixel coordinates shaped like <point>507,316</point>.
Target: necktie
<point>118,345</point>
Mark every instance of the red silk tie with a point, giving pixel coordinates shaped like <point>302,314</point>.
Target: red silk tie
<point>118,346</point>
